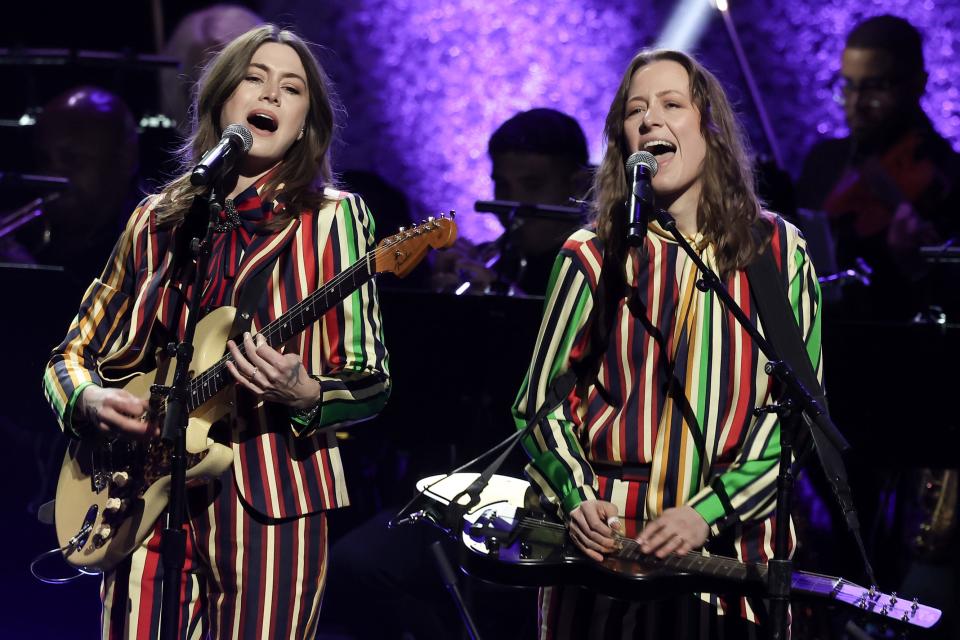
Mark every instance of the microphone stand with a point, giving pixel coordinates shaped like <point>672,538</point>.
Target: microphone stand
<point>173,537</point>
<point>797,403</point>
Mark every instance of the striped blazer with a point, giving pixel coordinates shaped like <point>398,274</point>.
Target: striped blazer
<point>700,444</point>
<point>281,470</point>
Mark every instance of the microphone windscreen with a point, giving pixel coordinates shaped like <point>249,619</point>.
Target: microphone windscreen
<point>241,133</point>
<point>645,158</point>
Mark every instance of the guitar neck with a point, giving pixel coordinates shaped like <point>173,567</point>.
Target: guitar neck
<point>209,383</point>
<point>802,582</point>
<point>694,562</point>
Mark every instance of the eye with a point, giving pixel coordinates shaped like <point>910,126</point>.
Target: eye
<point>292,90</point>
<point>253,78</point>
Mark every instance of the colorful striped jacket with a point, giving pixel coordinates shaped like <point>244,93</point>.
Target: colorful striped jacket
<point>281,469</point>
<point>703,447</point>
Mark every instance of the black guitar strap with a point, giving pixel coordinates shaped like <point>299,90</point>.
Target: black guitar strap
<point>781,329</point>
<point>250,298</point>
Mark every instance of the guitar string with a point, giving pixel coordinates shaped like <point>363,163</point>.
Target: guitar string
<point>270,329</point>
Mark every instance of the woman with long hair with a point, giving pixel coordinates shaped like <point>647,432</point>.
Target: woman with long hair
<point>257,535</point>
<point>658,440</point>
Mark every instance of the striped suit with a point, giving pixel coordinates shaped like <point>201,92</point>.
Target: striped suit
<point>285,474</point>
<point>650,448</point>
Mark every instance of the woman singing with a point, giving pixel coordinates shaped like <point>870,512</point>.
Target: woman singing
<point>256,545</point>
<point>659,430</point>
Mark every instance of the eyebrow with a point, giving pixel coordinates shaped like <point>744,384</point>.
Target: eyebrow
<point>660,94</point>
<point>288,74</point>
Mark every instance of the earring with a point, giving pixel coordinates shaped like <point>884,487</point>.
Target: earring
<point>300,137</point>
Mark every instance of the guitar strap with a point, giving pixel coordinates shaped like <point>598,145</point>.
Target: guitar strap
<point>781,329</point>
<point>773,306</point>
<point>250,298</point>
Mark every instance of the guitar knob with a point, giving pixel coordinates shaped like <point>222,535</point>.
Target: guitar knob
<point>102,535</point>
<point>120,479</point>
<point>114,505</point>
<point>493,546</point>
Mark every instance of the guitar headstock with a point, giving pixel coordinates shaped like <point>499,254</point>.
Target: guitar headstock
<point>872,602</point>
<point>401,252</point>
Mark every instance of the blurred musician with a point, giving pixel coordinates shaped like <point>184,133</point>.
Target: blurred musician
<point>889,187</point>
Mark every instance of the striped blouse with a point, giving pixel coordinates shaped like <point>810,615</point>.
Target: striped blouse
<point>699,445</point>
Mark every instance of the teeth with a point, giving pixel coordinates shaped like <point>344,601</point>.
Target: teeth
<point>662,144</point>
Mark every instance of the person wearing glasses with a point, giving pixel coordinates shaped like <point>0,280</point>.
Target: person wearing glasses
<point>889,187</point>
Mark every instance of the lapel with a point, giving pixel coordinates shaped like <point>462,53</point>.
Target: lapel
<point>261,251</point>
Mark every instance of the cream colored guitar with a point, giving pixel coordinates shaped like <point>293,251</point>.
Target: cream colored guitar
<point>111,492</point>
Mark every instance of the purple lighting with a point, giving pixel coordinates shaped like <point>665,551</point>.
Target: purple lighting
<point>425,83</point>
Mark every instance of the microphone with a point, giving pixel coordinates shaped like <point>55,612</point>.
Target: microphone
<point>217,162</point>
<point>641,167</point>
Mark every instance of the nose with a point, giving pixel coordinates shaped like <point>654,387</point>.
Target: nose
<point>270,93</point>
<point>652,117</point>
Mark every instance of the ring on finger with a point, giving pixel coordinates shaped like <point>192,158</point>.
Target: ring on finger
<point>253,374</point>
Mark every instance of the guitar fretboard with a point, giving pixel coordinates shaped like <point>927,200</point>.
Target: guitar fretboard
<point>209,383</point>
<point>695,562</point>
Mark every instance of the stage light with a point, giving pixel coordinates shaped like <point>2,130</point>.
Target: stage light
<point>721,5</point>
<point>687,24</point>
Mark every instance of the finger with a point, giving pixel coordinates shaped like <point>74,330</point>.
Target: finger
<point>665,541</point>
<point>649,532</point>
<point>584,547</point>
<point>269,354</point>
<point>655,535</point>
<point>113,421</point>
<point>596,519</point>
<point>127,404</point>
<point>597,540</point>
<point>252,355</point>
<point>264,373</point>
<point>671,545</point>
<point>242,364</point>
<point>248,382</point>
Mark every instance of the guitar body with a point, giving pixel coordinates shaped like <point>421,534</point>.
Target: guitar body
<point>88,477</point>
<point>505,543</point>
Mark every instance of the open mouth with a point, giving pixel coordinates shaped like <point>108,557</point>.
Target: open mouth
<point>659,147</point>
<point>262,122</point>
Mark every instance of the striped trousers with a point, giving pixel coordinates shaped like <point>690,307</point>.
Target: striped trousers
<point>245,575</point>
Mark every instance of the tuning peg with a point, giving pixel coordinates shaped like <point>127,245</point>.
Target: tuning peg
<point>402,229</point>
<point>893,598</point>
<point>453,214</point>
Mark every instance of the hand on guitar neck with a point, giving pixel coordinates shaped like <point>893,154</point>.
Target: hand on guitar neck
<point>596,530</point>
<point>115,412</point>
<point>271,375</point>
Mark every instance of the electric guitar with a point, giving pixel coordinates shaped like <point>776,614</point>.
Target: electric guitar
<point>505,543</point>
<point>111,491</point>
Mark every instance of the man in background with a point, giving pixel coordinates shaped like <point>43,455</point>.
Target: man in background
<point>889,187</point>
